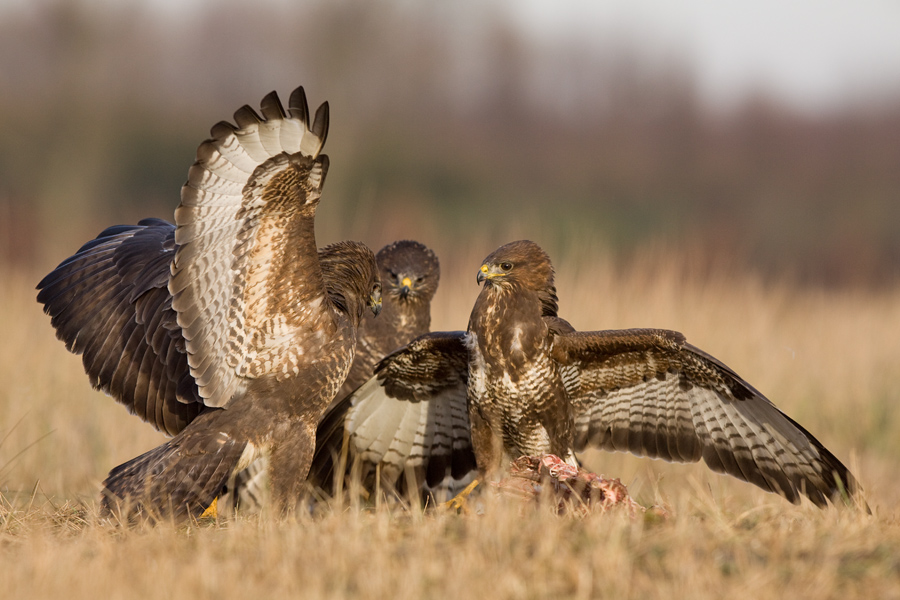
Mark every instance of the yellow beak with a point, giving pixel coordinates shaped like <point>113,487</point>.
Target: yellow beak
<point>486,272</point>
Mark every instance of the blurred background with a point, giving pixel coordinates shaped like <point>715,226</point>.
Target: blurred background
<point>730,170</point>
<point>762,133</point>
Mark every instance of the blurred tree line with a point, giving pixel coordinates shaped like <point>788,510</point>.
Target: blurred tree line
<point>448,123</point>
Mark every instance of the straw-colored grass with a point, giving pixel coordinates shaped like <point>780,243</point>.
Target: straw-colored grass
<point>830,360</point>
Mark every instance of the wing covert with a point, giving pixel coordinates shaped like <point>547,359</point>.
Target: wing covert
<point>411,415</point>
<point>651,393</point>
<point>246,277</point>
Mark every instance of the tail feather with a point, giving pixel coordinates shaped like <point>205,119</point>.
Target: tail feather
<point>176,480</point>
<point>248,490</point>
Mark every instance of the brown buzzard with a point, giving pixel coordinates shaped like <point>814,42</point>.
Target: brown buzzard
<point>409,273</point>
<point>522,381</point>
<point>229,330</point>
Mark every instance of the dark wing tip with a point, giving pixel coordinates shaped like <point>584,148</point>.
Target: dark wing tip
<point>246,117</point>
<point>271,107</point>
<point>220,131</point>
<point>841,486</point>
<point>298,106</point>
<point>320,124</point>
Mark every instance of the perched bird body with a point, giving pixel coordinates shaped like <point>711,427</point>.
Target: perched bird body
<point>410,273</point>
<point>229,330</point>
<point>517,401</point>
<point>522,381</point>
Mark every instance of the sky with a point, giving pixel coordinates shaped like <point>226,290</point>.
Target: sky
<point>813,54</point>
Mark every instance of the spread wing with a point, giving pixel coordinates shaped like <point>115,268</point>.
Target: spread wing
<point>110,303</point>
<point>246,277</point>
<point>411,415</point>
<point>651,393</point>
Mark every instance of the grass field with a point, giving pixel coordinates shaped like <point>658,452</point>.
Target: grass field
<point>830,360</point>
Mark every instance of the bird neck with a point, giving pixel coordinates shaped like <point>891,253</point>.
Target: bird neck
<point>506,307</point>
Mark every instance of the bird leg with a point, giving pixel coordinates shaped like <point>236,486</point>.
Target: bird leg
<point>289,463</point>
<point>459,502</point>
<point>212,511</point>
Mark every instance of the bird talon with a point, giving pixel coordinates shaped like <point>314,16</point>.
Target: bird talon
<point>459,503</point>
<point>212,511</point>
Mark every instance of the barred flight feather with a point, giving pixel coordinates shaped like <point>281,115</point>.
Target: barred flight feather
<point>219,330</point>
<point>523,380</point>
<point>227,241</point>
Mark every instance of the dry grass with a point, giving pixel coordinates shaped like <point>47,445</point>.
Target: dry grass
<point>829,360</point>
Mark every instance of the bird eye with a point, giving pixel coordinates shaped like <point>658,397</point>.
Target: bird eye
<point>393,275</point>
<point>506,266</point>
<point>419,279</point>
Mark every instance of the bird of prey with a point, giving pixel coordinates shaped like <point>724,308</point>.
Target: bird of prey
<point>409,273</point>
<point>230,330</point>
<point>522,381</point>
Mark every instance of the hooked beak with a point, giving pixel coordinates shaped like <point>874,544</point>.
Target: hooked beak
<point>375,302</point>
<point>487,272</point>
<point>407,284</point>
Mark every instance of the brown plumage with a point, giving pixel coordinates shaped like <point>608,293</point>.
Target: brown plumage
<point>521,381</point>
<point>410,273</point>
<point>230,330</point>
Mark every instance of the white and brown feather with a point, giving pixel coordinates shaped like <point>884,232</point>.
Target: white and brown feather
<point>240,286</point>
<point>230,330</point>
<point>411,419</point>
<point>534,385</point>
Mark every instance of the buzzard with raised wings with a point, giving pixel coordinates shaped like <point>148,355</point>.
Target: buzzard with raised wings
<point>410,273</point>
<point>230,330</point>
<point>522,381</point>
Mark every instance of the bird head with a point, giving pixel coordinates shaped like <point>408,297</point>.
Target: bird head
<point>521,262</point>
<point>409,270</point>
<point>520,266</point>
<point>351,277</point>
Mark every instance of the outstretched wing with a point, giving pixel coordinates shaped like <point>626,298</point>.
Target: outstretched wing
<point>651,393</point>
<point>110,303</point>
<point>411,415</point>
<point>246,277</point>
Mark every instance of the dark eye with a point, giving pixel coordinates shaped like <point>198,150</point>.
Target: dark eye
<point>506,266</point>
<point>393,275</point>
<point>419,279</point>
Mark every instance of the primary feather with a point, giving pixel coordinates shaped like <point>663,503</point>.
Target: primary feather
<point>230,330</point>
<point>522,381</point>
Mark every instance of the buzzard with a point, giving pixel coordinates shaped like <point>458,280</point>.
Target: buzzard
<point>522,381</point>
<point>229,330</point>
<point>410,273</point>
